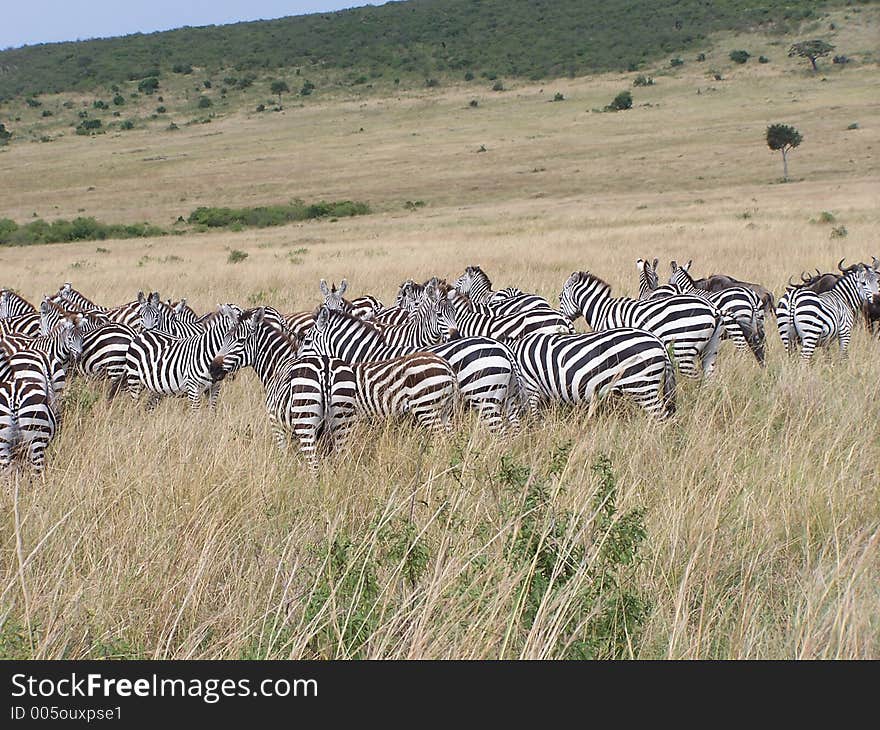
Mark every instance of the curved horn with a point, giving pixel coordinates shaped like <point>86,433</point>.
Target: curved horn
<point>840,264</point>
<point>805,277</point>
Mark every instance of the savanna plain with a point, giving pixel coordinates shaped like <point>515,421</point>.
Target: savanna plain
<point>748,526</point>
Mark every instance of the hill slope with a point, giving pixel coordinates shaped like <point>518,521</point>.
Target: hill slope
<point>535,39</point>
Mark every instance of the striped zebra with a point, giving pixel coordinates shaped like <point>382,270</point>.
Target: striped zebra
<point>104,354</point>
<point>76,301</point>
<point>28,324</point>
<point>421,385</point>
<point>649,282</point>
<point>13,305</point>
<point>312,398</point>
<point>744,307</point>
<point>485,369</point>
<point>34,364</point>
<point>690,325</point>
<point>815,319</point>
<point>581,368</point>
<point>165,364</point>
<point>474,283</point>
<point>502,328</point>
<point>64,345</point>
<point>365,307</point>
<point>28,420</point>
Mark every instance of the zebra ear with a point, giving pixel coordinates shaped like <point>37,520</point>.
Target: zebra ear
<point>257,316</point>
<point>154,298</point>
<point>687,266</point>
<point>324,289</point>
<point>673,265</point>
<point>181,305</point>
<point>640,264</point>
<point>656,261</point>
<point>343,286</point>
<point>141,298</point>
<point>67,287</point>
<point>875,262</point>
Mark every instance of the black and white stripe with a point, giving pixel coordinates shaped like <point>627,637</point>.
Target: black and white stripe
<point>816,319</point>
<point>584,368</point>
<point>28,420</point>
<point>165,364</point>
<point>13,305</point>
<point>485,369</point>
<point>502,328</point>
<point>476,285</point>
<point>690,325</point>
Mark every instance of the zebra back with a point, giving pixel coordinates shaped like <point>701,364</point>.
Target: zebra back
<point>13,305</point>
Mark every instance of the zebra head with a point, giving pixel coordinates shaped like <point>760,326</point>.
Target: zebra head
<point>869,281</point>
<point>333,296</point>
<point>580,292</point>
<point>409,294</point>
<point>680,277</point>
<point>238,348</point>
<point>447,322</point>
<point>154,313</point>
<point>648,279</point>
<point>474,283</point>
<point>71,335</point>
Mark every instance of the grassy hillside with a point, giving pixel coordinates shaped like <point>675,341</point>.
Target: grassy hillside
<point>423,38</point>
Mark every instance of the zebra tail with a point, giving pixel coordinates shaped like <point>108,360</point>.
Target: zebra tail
<point>668,388</point>
<point>519,398</point>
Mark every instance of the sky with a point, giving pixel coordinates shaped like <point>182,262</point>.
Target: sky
<point>46,21</point>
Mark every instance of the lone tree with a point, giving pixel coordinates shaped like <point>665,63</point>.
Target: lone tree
<point>783,137</point>
<point>811,49</point>
<point>279,87</point>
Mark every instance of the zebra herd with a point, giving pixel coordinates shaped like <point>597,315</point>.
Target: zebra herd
<point>502,353</point>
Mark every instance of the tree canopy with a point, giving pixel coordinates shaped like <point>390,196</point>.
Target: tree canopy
<point>813,49</point>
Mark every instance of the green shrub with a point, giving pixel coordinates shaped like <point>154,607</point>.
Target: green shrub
<point>119,100</point>
<point>676,62</point>
<point>623,100</point>
<point>127,124</point>
<point>468,76</point>
<point>182,68</point>
<point>261,107</point>
<point>236,256</point>
<point>46,113</point>
<point>432,83</point>
<point>740,56</point>
<point>498,86</point>
<point>701,57</point>
<point>642,80</point>
<point>473,103</point>
<point>275,215</point>
<point>89,126</point>
<point>763,59</point>
<point>99,104</point>
<point>33,103</point>
<point>148,85</point>
<point>558,96</point>
<point>307,88</point>
<point>5,134</point>
<point>160,110</point>
<point>204,102</point>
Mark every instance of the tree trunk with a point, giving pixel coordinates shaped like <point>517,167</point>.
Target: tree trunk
<point>784,166</point>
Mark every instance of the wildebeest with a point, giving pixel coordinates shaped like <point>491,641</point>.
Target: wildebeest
<point>719,282</point>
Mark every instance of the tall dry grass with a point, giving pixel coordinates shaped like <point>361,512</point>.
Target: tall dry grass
<point>178,534</point>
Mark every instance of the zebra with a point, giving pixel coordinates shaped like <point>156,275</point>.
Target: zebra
<point>165,364</point>
<point>743,305</point>
<point>690,325</point>
<point>28,420</point>
<point>649,282</point>
<point>420,384</point>
<point>579,368</point>
<point>501,328</point>
<point>486,371</point>
<point>63,344</point>
<point>33,364</point>
<point>13,305</point>
<point>474,283</point>
<point>313,397</point>
<point>76,301</point>
<point>815,319</point>
<point>366,306</point>
<point>104,354</point>
<point>28,324</point>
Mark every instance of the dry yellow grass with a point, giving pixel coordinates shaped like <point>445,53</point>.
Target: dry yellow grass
<point>172,534</point>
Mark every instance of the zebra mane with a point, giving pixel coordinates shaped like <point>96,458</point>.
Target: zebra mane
<point>585,277</point>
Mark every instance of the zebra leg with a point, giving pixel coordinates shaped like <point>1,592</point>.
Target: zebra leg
<point>710,351</point>
<point>810,342</point>
<point>279,433</point>
<point>213,394</point>
<point>489,411</point>
<point>843,338</point>
<point>152,401</point>
<point>37,454</point>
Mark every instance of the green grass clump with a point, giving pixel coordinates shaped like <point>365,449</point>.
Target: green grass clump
<point>275,215</point>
